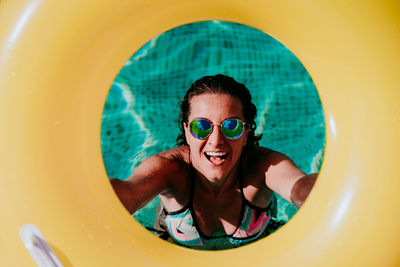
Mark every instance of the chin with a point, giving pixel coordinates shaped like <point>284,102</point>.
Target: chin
<point>215,176</point>
<point>214,173</point>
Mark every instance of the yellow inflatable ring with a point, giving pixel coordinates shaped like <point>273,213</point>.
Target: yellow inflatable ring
<point>57,62</point>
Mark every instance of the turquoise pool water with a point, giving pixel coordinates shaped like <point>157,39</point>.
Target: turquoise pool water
<point>141,110</point>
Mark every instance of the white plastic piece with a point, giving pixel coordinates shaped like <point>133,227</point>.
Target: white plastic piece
<point>38,247</point>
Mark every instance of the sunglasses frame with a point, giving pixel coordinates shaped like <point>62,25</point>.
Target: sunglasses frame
<point>215,124</point>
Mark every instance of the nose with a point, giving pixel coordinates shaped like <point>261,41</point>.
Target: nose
<point>216,137</point>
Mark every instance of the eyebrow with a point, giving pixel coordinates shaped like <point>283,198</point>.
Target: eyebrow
<point>204,118</point>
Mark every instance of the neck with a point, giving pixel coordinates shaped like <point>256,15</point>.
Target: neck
<point>219,186</point>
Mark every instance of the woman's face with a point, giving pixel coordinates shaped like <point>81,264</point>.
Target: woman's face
<point>216,108</point>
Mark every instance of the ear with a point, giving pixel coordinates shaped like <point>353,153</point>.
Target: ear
<point>187,131</point>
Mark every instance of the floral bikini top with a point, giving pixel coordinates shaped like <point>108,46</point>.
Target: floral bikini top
<point>183,228</point>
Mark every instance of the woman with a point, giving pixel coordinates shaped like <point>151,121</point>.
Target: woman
<point>216,188</point>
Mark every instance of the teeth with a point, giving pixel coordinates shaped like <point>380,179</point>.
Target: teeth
<point>216,154</point>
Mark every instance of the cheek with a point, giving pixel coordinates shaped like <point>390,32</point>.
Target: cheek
<point>193,143</point>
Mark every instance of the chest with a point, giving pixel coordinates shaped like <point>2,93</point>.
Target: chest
<point>223,214</point>
<point>217,213</point>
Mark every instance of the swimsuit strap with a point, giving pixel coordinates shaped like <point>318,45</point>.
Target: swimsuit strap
<point>192,187</point>
<point>189,204</point>
<point>241,175</point>
<point>241,185</point>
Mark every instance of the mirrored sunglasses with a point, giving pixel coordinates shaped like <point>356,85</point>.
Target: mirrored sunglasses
<point>230,128</point>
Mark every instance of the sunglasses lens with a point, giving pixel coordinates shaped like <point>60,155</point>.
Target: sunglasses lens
<point>232,128</point>
<point>200,128</point>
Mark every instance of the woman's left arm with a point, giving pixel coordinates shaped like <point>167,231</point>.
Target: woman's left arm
<point>301,188</point>
<point>285,178</point>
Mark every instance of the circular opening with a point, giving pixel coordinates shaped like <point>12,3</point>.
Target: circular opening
<point>140,116</point>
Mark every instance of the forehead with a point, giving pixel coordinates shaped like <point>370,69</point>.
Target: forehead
<point>215,107</point>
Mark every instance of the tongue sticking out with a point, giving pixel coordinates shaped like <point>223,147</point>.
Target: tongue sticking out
<point>216,160</point>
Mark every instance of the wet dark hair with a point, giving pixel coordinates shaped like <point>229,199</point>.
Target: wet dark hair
<point>220,84</point>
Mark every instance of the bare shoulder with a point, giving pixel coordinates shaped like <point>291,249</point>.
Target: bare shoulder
<point>176,154</point>
<point>272,166</point>
<point>257,157</point>
<point>280,171</point>
<point>169,167</point>
<point>166,162</point>
<point>265,158</point>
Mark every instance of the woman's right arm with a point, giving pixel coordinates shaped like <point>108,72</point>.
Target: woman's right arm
<point>151,178</point>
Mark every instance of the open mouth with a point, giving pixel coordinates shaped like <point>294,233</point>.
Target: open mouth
<point>216,158</point>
